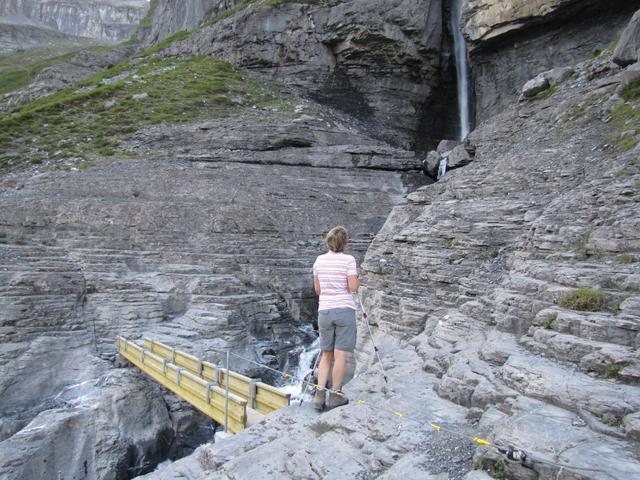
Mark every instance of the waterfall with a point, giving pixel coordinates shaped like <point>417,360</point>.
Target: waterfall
<point>462,68</point>
<point>305,367</point>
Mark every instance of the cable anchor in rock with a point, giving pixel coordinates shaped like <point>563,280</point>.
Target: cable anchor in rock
<point>513,454</point>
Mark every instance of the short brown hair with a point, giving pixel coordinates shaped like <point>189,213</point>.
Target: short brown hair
<point>336,239</point>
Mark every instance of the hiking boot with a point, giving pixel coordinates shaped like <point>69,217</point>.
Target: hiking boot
<point>337,400</point>
<point>318,400</point>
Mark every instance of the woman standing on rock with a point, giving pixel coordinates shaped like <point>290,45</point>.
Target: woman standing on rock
<point>335,280</point>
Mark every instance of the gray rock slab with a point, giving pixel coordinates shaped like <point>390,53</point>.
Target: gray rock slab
<point>626,51</point>
<point>557,440</point>
<point>459,157</point>
<point>535,86</point>
<point>446,146</point>
<point>432,163</point>
<point>632,425</point>
<point>364,438</point>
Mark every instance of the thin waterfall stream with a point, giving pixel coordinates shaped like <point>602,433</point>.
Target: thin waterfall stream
<point>462,68</point>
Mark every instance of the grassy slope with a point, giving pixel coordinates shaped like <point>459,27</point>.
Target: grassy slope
<point>92,118</point>
<point>18,69</point>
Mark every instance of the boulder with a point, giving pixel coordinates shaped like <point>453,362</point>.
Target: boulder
<point>558,75</point>
<point>632,425</point>
<point>630,74</point>
<point>534,86</point>
<point>627,51</point>
<point>431,163</point>
<point>459,157</point>
<point>446,146</point>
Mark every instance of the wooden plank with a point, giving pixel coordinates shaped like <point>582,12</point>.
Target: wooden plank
<point>159,349</point>
<point>193,390</point>
<point>268,398</point>
<point>238,384</point>
<point>209,371</point>
<point>187,361</point>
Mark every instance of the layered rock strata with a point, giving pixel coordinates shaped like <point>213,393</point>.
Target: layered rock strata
<point>481,263</point>
<point>205,244</point>
<point>166,17</point>
<point>22,37</point>
<point>467,286</point>
<point>108,20</point>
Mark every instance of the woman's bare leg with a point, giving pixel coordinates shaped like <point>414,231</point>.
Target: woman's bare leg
<point>339,367</point>
<point>325,367</point>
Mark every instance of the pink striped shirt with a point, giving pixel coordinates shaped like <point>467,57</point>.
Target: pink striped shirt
<point>332,269</point>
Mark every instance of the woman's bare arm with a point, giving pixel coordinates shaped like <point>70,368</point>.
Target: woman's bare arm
<point>316,285</point>
<point>354,283</point>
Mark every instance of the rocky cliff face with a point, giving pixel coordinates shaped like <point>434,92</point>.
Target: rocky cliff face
<point>166,17</point>
<point>205,242</point>
<point>505,297</point>
<point>510,288</point>
<point>109,20</point>
<point>512,41</point>
<point>382,62</point>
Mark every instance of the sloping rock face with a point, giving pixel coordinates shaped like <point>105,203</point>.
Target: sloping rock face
<point>22,37</point>
<point>382,61</point>
<point>64,74</point>
<point>480,263</point>
<point>167,17</point>
<point>108,20</point>
<point>466,285</point>
<point>627,49</point>
<point>205,244</point>
<point>365,439</point>
<point>511,41</point>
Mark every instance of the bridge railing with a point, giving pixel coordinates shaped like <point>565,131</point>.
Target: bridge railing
<point>206,396</point>
<point>260,396</point>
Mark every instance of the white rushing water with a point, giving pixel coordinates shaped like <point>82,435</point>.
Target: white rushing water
<point>305,366</point>
<point>462,68</point>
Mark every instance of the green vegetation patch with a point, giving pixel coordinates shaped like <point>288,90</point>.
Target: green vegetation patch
<point>584,300</point>
<point>612,370</point>
<point>626,258</point>
<point>544,94</point>
<point>625,117</point>
<point>92,118</point>
<point>631,91</point>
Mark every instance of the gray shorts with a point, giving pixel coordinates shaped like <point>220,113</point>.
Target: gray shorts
<point>337,329</point>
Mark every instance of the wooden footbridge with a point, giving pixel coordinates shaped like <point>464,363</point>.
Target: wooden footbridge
<point>231,399</point>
